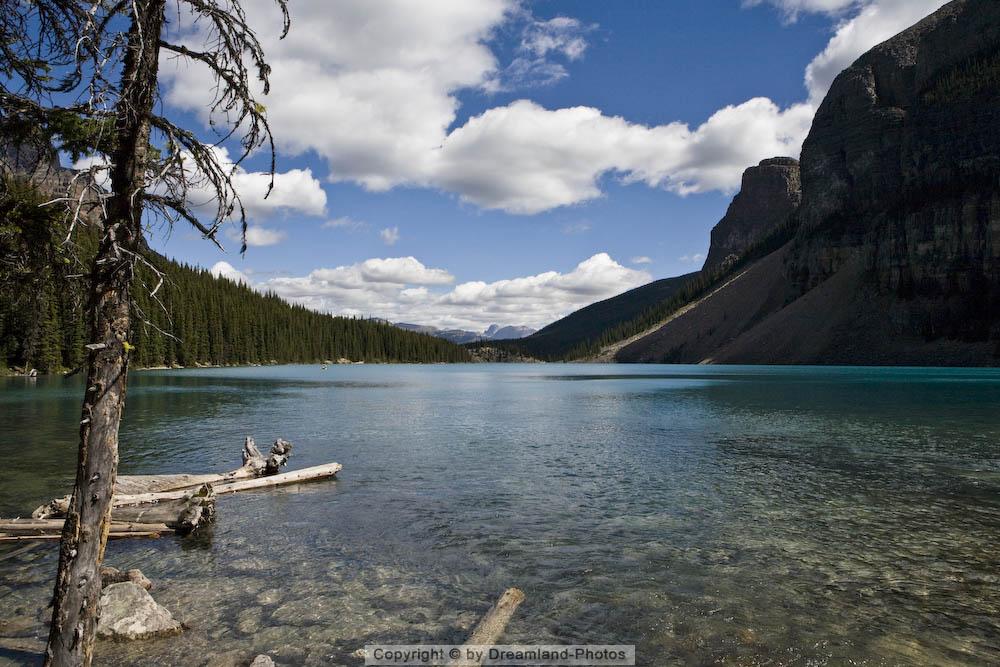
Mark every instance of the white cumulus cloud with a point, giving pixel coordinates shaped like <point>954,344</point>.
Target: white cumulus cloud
<point>402,289</point>
<point>230,272</point>
<point>555,158</point>
<point>261,236</point>
<point>373,87</point>
<point>295,190</point>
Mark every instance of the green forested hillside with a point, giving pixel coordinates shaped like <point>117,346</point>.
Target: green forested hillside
<point>202,319</point>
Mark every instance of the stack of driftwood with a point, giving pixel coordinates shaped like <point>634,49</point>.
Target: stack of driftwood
<point>149,505</point>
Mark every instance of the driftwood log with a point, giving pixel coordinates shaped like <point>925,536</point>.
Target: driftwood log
<point>492,625</point>
<point>324,471</point>
<point>270,465</point>
<point>184,502</point>
<point>255,464</point>
<point>24,530</point>
<point>182,512</point>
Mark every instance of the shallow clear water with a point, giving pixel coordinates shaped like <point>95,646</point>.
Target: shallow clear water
<point>709,515</point>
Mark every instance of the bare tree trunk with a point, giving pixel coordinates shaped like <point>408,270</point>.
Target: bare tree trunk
<point>78,583</point>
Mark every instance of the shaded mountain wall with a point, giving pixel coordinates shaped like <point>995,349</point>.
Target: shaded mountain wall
<point>895,257</point>
<point>901,170</point>
<point>769,195</point>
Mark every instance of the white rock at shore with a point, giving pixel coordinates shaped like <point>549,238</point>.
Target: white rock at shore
<point>128,612</point>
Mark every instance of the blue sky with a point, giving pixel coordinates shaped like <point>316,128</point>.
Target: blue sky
<point>476,161</point>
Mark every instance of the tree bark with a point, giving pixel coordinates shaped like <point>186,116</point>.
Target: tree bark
<point>78,584</point>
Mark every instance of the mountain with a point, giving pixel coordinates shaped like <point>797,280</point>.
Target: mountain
<point>770,194</point>
<point>581,332</point>
<point>497,332</point>
<point>461,336</point>
<point>894,248</point>
<point>881,247</point>
<point>199,320</point>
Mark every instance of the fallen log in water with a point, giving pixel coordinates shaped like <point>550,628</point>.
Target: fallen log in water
<point>295,477</point>
<point>255,464</point>
<point>18,552</point>
<point>24,530</point>
<point>492,625</point>
<point>141,489</point>
<point>182,511</point>
<point>305,475</point>
<point>27,525</point>
<point>184,502</point>
<point>55,537</point>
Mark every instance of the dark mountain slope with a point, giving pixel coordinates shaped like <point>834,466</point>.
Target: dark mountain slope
<point>896,252</point>
<point>580,331</point>
<point>756,223</point>
<point>717,319</point>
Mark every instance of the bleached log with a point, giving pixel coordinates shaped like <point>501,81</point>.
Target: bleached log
<point>493,624</point>
<point>304,475</point>
<point>28,525</point>
<point>55,537</point>
<point>495,621</point>
<point>138,489</point>
<point>252,458</point>
<point>184,513</point>
<point>24,530</point>
<point>136,484</point>
<point>144,498</point>
<point>255,464</point>
<point>280,451</point>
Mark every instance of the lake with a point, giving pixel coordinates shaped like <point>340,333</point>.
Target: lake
<point>708,515</point>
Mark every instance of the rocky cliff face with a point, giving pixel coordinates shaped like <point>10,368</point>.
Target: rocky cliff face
<point>896,252</point>
<point>770,194</point>
<point>901,171</point>
<point>41,166</point>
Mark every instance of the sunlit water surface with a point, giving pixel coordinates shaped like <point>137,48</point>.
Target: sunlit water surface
<point>708,515</point>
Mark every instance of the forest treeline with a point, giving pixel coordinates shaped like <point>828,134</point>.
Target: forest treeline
<point>195,319</point>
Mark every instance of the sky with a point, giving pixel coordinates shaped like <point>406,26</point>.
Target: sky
<point>460,163</point>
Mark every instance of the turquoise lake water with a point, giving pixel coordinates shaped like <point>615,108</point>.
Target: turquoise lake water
<point>708,515</point>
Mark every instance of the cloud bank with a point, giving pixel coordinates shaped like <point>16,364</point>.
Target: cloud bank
<point>402,289</point>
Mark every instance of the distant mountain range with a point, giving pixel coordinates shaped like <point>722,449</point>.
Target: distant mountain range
<point>882,247</point>
<point>460,336</point>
